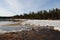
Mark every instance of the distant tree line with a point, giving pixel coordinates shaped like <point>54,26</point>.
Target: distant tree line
<point>5,17</point>
<point>53,14</point>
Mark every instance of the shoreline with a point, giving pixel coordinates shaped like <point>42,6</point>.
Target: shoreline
<point>34,23</point>
<point>35,34</point>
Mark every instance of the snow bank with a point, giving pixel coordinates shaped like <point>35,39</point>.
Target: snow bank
<point>55,23</point>
<point>30,23</point>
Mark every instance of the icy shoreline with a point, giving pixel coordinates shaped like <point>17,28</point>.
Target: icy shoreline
<point>31,23</point>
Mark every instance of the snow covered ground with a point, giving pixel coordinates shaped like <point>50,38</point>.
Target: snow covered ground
<point>55,23</point>
<point>31,23</point>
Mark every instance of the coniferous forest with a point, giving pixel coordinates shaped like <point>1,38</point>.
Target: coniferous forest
<point>53,14</point>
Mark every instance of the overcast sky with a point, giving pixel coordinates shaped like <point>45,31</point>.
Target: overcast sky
<point>13,7</point>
